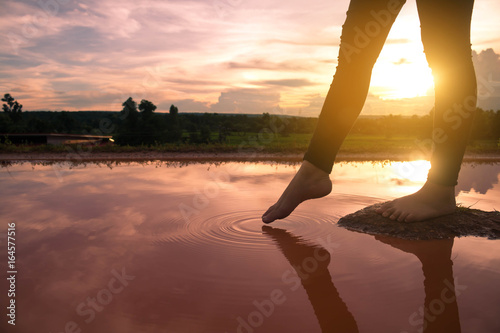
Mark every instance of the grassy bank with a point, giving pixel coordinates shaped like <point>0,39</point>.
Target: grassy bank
<point>264,143</point>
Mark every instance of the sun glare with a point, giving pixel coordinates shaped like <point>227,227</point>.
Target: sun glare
<point>401,70</point>
<point>406,80</point>
<point>415,171</point>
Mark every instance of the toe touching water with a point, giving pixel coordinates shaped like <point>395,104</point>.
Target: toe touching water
<point>310,182</point>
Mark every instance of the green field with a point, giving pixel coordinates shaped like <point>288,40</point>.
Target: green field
<point>268,143</point>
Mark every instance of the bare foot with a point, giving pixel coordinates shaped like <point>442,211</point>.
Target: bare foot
<point>310,182</point>
<point>432,200</point>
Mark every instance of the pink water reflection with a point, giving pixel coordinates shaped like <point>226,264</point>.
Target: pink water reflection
<point>192,239</point>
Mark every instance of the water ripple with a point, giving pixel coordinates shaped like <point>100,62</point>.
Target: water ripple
<point>241,230</point>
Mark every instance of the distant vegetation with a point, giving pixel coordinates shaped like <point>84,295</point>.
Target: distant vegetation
<point>140,125</point>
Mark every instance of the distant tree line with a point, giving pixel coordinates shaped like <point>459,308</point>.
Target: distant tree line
<point>139,124</point>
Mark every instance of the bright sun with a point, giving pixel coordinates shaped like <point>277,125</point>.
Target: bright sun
<point>402,80</point>
<point>401,70</point>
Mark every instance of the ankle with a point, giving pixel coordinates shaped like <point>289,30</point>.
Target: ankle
<point>429,185</point>
<point>309,169</point>
<point>439,191</point>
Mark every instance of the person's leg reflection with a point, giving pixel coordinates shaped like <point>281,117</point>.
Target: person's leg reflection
<point>440,312</point>
<point>311,264</point>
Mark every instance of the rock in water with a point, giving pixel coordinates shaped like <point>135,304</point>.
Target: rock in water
<point>464,222</point>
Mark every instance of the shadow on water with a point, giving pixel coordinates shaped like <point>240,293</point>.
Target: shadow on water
<point>440,310</point>
<point>310,262</point>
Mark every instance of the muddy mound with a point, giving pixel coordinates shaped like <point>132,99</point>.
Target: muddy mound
<point>464,222</point>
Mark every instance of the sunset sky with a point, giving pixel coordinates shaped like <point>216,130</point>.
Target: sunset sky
<point>227,56</point>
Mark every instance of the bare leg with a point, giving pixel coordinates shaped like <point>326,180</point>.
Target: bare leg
<point>432,200</point>
<point>310,182</point>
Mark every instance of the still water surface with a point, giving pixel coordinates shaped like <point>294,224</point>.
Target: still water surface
<point>169,247</point>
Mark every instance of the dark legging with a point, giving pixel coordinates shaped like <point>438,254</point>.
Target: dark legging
<point>445,31</point>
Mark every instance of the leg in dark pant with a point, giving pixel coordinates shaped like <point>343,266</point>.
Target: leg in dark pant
<point>446,36</point>
<point>363,35</point>
<point>445,29</point>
